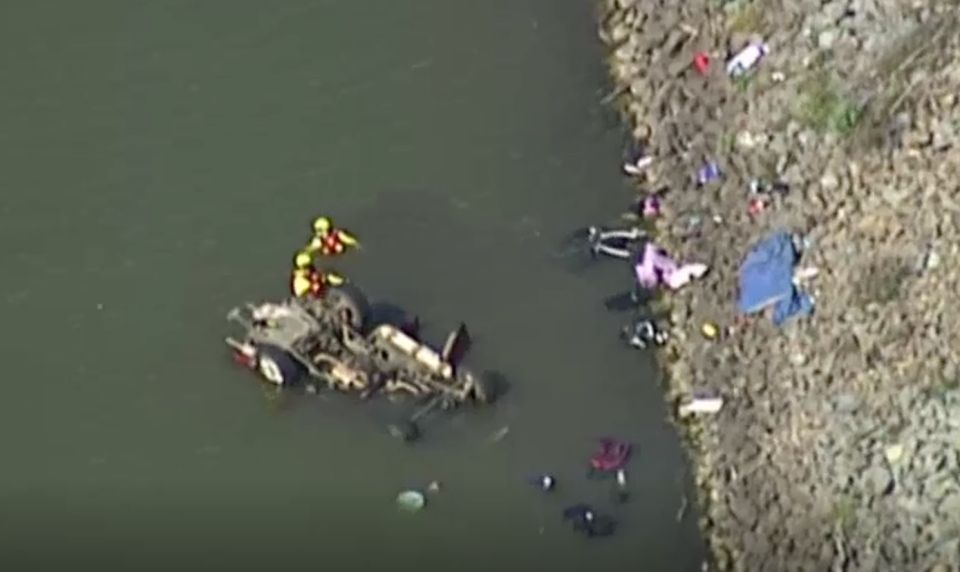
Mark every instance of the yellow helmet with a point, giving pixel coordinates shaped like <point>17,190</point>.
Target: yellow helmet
<point>302,260</point>
<point>322,224</point>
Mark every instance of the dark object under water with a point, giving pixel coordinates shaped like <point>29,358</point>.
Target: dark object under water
<point>611,456</point>
<point>545,483</point>
<point>644,333</point>
<point>588,522</point>
<point>615,243</point>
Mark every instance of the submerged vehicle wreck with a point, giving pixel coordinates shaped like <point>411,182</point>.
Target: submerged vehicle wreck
<point>333,341</point>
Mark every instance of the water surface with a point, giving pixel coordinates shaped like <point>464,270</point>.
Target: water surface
<point>160,162</point>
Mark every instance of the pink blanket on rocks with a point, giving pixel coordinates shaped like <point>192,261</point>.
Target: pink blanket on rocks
<point>655,268</point>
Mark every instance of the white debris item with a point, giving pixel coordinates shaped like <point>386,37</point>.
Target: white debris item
<point>746,59</point>
<point>411,501</point>
<point>701,405</point>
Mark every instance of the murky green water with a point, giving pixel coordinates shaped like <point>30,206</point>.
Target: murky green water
<point>159,163</point>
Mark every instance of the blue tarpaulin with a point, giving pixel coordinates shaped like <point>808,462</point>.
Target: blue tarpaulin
<point>766,279</point>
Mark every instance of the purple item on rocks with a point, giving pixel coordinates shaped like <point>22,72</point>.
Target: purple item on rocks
<point>653,268</point>
<point>650,207</point>
<point>709,172</point>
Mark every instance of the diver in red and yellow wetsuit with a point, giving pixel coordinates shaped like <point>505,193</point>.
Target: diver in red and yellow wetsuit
<point>312,282</point>
<point>328,240</point>
<point>306,280</point>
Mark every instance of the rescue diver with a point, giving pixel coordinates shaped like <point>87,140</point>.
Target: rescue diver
<point>303,260</point>
<point>328,240</point>
<point>302,282</point>
<point>311,282</point>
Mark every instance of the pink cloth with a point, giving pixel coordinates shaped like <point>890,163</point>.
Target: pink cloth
<point>655,268</point>
<point>650,207</point>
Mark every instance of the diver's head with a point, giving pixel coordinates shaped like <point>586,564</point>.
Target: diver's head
<point>322,224</point>
<point>302,260</point>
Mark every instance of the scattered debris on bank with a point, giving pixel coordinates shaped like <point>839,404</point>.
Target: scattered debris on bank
<point>833,440</point>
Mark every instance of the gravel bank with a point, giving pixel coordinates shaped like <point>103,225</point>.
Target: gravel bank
<point>839,446</point>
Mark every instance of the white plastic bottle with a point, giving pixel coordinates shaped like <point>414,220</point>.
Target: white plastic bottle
<point>746,59</point>
<point>701,405</point>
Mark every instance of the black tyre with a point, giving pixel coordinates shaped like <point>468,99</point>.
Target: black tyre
<point>405,431</point>
<point>351,303</point>
<point>278,367</point>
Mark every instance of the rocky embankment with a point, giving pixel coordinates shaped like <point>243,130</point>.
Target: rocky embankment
<point>839,445</point>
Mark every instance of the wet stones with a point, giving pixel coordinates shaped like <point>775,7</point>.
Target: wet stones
<point>877,481</point>
<point>837,448</point>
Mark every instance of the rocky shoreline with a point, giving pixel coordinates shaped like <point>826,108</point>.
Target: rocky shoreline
<point>839,444</point>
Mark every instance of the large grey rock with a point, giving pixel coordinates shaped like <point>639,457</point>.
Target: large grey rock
<point>846,403</point>
<point>877,481</point>
<point>826,38</point>
<point>950,505</point>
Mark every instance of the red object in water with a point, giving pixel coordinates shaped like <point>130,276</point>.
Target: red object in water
<point>611,456</point>
<point>701,62</point>
<point>245,360</point>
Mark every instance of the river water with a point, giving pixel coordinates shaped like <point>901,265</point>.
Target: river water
<point>160,162</point>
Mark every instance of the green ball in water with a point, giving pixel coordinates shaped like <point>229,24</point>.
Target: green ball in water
<point>411,501</point>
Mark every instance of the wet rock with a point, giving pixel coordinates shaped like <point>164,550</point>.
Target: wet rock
<point>829,181</point>
<point>845,403</point>
<point>950,505</point>
<point>826,38</point>
<point>850,419</point>
<point>877,481</point>
<point>893,453</point>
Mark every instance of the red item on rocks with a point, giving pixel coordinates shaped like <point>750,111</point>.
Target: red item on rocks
<point>701,62</point>
<point>756,207</point>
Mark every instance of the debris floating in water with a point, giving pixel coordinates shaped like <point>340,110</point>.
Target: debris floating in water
<point>545,483</point>
<point>499,434</point>
<point>411,501</point>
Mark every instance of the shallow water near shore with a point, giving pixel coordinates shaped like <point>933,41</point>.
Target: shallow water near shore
<point>161,162</point>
